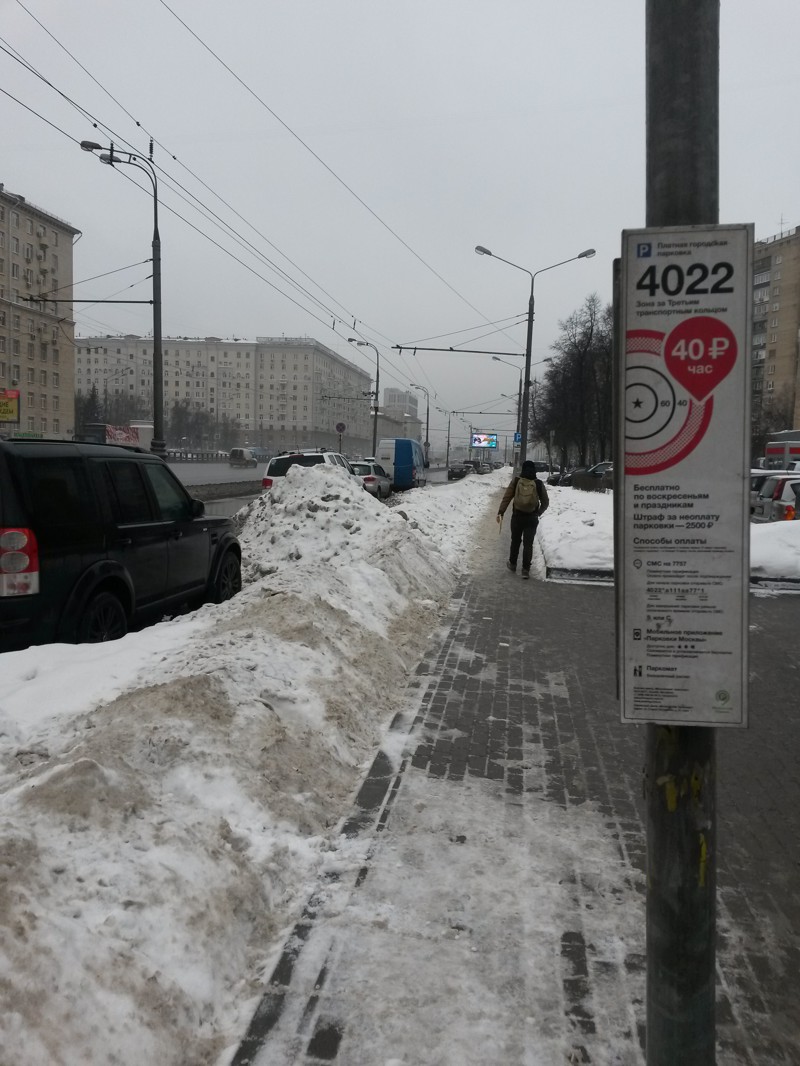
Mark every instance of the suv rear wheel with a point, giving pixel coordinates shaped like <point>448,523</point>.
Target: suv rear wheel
<point>104,619</point>
<point>229,579</point>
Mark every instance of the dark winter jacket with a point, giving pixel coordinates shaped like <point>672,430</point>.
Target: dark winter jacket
<point>508,495</point>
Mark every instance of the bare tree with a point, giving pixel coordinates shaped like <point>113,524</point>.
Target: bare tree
<point>572,409</point>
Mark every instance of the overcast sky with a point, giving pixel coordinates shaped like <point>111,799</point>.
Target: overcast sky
<point>366,148</point>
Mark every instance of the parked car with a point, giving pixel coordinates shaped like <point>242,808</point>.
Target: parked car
<point>375,479</point>
<point>458,470</point>
<point>242,457</point>
<point>279,464</point>
<point>484,468</point>
<point>757,479</point>
<point>602,470</point>
<point>786,507</point>
<point>473,465</point>
<point>96,539</point>
<point>777,499</point>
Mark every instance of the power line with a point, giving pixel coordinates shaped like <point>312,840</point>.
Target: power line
<point>320,160</point>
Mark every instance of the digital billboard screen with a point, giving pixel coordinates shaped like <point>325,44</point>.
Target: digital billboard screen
<point>484,440</point>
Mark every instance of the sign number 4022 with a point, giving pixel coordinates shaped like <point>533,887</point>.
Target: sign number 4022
<point>696,280</point>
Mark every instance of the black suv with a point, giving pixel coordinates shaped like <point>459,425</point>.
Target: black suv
<point>96,538</point>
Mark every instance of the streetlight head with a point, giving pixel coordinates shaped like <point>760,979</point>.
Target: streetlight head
<point>353,340</point>
<point>90,146</point>
<point>587,254</point>
<point>481,250</point>
<point>105,157</point>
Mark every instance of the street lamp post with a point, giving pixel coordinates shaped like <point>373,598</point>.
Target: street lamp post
<point>587,254</point>
<point>449,415</point>
<point>369,344</point>
<point>158,443</point>
<point>497,359</point>
<point>427,419</point>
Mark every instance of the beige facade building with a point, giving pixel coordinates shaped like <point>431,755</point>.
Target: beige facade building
<point>36,334</point>
<point>278,393</point>
<point>776,327</point>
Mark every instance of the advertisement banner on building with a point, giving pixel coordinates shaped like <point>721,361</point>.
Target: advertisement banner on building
<point>682,544</point>
<point>9,407</point>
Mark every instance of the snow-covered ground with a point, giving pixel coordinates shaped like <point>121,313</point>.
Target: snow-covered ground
<point>169,800</point>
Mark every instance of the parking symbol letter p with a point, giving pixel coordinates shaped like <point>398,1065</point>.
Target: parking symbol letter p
<point>644,251</point>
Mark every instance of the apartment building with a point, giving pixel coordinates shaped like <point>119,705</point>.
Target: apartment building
<point>36,333</point>
<point>277,392</point>
<point>776,328</point>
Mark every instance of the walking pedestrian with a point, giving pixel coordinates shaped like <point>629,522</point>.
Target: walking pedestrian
<point>529,500</point>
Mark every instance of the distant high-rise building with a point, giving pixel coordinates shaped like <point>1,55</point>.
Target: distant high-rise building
<point>399,402</point>
<point>36,333</point>
<point>776,329</point>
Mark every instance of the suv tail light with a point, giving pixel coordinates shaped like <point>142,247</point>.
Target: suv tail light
<point>776,495</point>
<point>369,478</point>
<point>19,562</point>
<point>790,512</point>
<point>266,483</point>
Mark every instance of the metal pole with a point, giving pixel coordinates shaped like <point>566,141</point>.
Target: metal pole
<point>447,458</point>
<point>523,418</point>
<point>158,444</point>
<point>427,426</point>
<point>519,405</point>
<point>682,80</point>
<point>377,395</point>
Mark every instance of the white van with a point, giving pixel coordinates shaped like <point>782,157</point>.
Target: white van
<point>242,457</point>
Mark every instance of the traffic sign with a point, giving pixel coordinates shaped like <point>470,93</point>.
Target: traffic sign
<point>684,424</point>
<point>340,427</point>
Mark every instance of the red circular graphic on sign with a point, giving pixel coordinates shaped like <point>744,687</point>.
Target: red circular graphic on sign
<point>700,353</point>
<point>663,424</point>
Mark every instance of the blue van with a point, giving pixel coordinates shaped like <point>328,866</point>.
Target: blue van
<point>403,460</point>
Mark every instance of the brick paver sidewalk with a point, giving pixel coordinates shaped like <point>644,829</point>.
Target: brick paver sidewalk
<point>515,932</point>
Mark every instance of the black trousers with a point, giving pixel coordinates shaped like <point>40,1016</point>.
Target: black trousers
<point>523,528</point>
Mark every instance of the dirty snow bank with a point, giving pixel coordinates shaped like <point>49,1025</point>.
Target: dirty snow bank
<point>169,799</point>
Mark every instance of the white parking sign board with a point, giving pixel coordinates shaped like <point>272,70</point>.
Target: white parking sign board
<point>683,516</point>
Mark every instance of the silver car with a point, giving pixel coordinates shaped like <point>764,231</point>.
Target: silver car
<point>375,479</point>
<point>778,499</point>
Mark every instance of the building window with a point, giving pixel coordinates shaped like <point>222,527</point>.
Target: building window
<point>56,425</point>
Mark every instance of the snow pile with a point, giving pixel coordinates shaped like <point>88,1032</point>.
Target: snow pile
<point>169,799</point>
<point>577,530</point>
